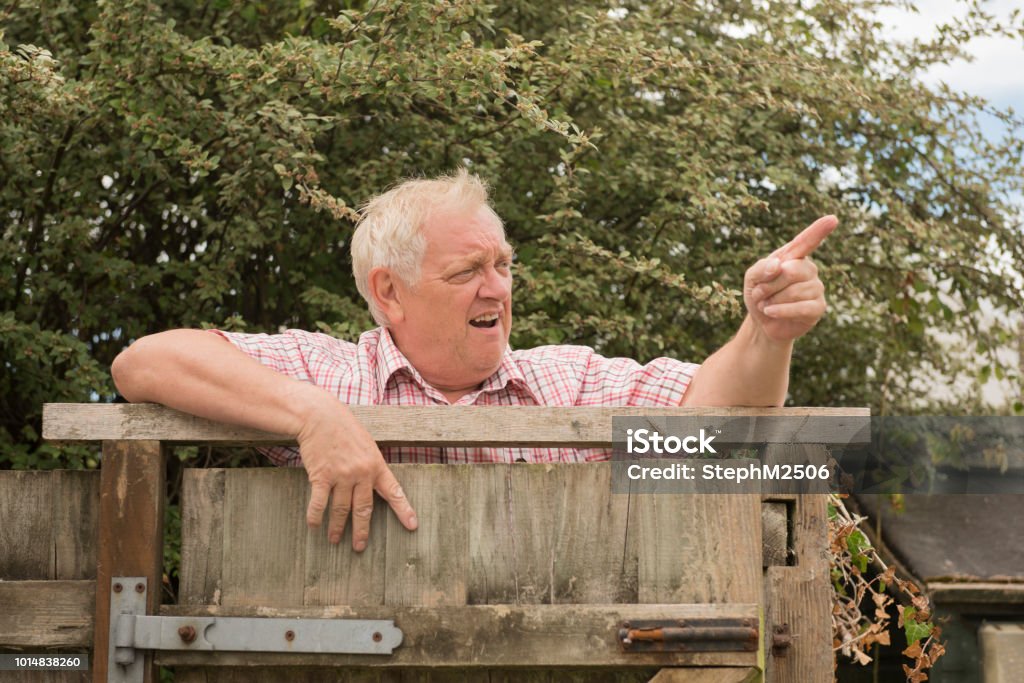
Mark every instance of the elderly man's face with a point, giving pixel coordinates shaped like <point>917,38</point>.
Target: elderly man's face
<point>454,323</point>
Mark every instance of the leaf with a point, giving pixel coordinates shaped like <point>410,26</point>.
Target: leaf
<point>916,631</point>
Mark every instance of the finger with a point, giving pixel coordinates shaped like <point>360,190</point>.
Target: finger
<point>790,272</point>
<point>765,269</point>
<point>362,511</point>
<point>800,291</point>
<point>807,241</point>
<point>800,310</point>
<point>341,504</point>
<point>391,491</point>
<point>320,492</point>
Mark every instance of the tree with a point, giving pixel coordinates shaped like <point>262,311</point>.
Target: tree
<point>189,164</point>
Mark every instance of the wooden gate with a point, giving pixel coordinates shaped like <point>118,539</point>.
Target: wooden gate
<point>517,572</point>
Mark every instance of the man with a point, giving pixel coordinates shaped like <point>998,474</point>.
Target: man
<point>431,260</point>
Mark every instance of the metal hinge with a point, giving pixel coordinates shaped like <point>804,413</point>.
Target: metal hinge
<point>132,630</point>
<point>689,635</point>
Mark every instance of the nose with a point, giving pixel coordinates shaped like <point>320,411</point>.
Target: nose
<point>496,285</point>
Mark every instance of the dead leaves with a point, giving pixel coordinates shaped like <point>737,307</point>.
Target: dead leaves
<point>855,633</point>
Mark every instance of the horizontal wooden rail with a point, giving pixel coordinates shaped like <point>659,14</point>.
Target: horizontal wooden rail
<point>510,426</point>
<point>46,613</point>
<point>475,636</point>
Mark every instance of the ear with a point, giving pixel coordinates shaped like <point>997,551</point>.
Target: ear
<point>384,288</point>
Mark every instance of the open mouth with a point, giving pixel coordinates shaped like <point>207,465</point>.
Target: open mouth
<point>485,321</point>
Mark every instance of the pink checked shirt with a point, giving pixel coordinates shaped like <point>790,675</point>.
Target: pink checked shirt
<point>374,372</point>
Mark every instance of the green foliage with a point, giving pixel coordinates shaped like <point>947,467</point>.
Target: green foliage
<point>914,630</point>
<point>188,164</point>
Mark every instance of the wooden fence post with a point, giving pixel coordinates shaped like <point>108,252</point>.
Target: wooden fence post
<point>132,495</point>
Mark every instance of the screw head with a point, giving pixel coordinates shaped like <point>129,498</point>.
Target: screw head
<point>118,587</point>
<point>289,636</point>
<point>140,588</point>
<point>187,634</point>
<point>377,637</point>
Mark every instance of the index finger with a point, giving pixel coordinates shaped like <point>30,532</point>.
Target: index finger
<point>391,491</point>
<point>807,241</point>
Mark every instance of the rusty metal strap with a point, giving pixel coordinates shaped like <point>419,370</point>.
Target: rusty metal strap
<point>689,635</point>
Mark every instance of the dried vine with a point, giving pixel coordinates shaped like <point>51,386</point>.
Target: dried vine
<point>853,631</point>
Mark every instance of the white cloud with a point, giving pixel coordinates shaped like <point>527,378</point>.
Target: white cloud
<point>997,72</point>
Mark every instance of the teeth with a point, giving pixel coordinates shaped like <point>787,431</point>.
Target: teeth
<point>486,318</point>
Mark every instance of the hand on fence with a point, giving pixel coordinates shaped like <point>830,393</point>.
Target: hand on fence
<point>782,292</point>
<point>344,464</point>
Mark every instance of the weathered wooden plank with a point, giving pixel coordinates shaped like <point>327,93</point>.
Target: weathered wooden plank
<point>265,542</point>
<point>202,536</point>
<point>335,575</point>
<point>26,525</point>
<point>708,675</point>
<point>49,524</point>
<point>536,534</point>
<point>1002,652</point>
<point>509,426</point>
<point>514,513</point>
<point>485,636</point>
<point>333,675</point>
<point>46,676</point>
<point>76,508</point>
<point>493,555</point>
<point>699,548</point>
<point>799,595</point>
<point>548,534</point>
<point>131,519</point>
<point>431,565</point>
<point>556,530</point>
<point>271,674</point>
<point>38,614</point>
<point>593,556</point>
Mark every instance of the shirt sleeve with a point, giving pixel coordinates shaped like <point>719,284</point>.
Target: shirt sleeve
<point>281,352</point>
<point>625,382</point>
<point>297,354</point>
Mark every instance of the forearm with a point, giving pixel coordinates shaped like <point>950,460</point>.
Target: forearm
<point>750,370</point>
<point>202,374</point>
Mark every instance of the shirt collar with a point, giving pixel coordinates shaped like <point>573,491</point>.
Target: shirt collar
<point>391,360</point>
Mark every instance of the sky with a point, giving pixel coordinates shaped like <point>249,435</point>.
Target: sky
<point>997,72</point>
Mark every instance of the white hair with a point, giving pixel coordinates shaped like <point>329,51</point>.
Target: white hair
<point>389,232</point>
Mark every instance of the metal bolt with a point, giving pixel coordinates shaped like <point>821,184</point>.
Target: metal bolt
<point>139,588</point>
<point>289,636</point>
<point>377,637</point>
<point>781,640</point>
<point>117,587</point>
<point>187,634</point>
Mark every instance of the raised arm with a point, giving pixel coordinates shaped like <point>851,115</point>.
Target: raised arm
<point>784,300</point>
<point>205,375</point>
